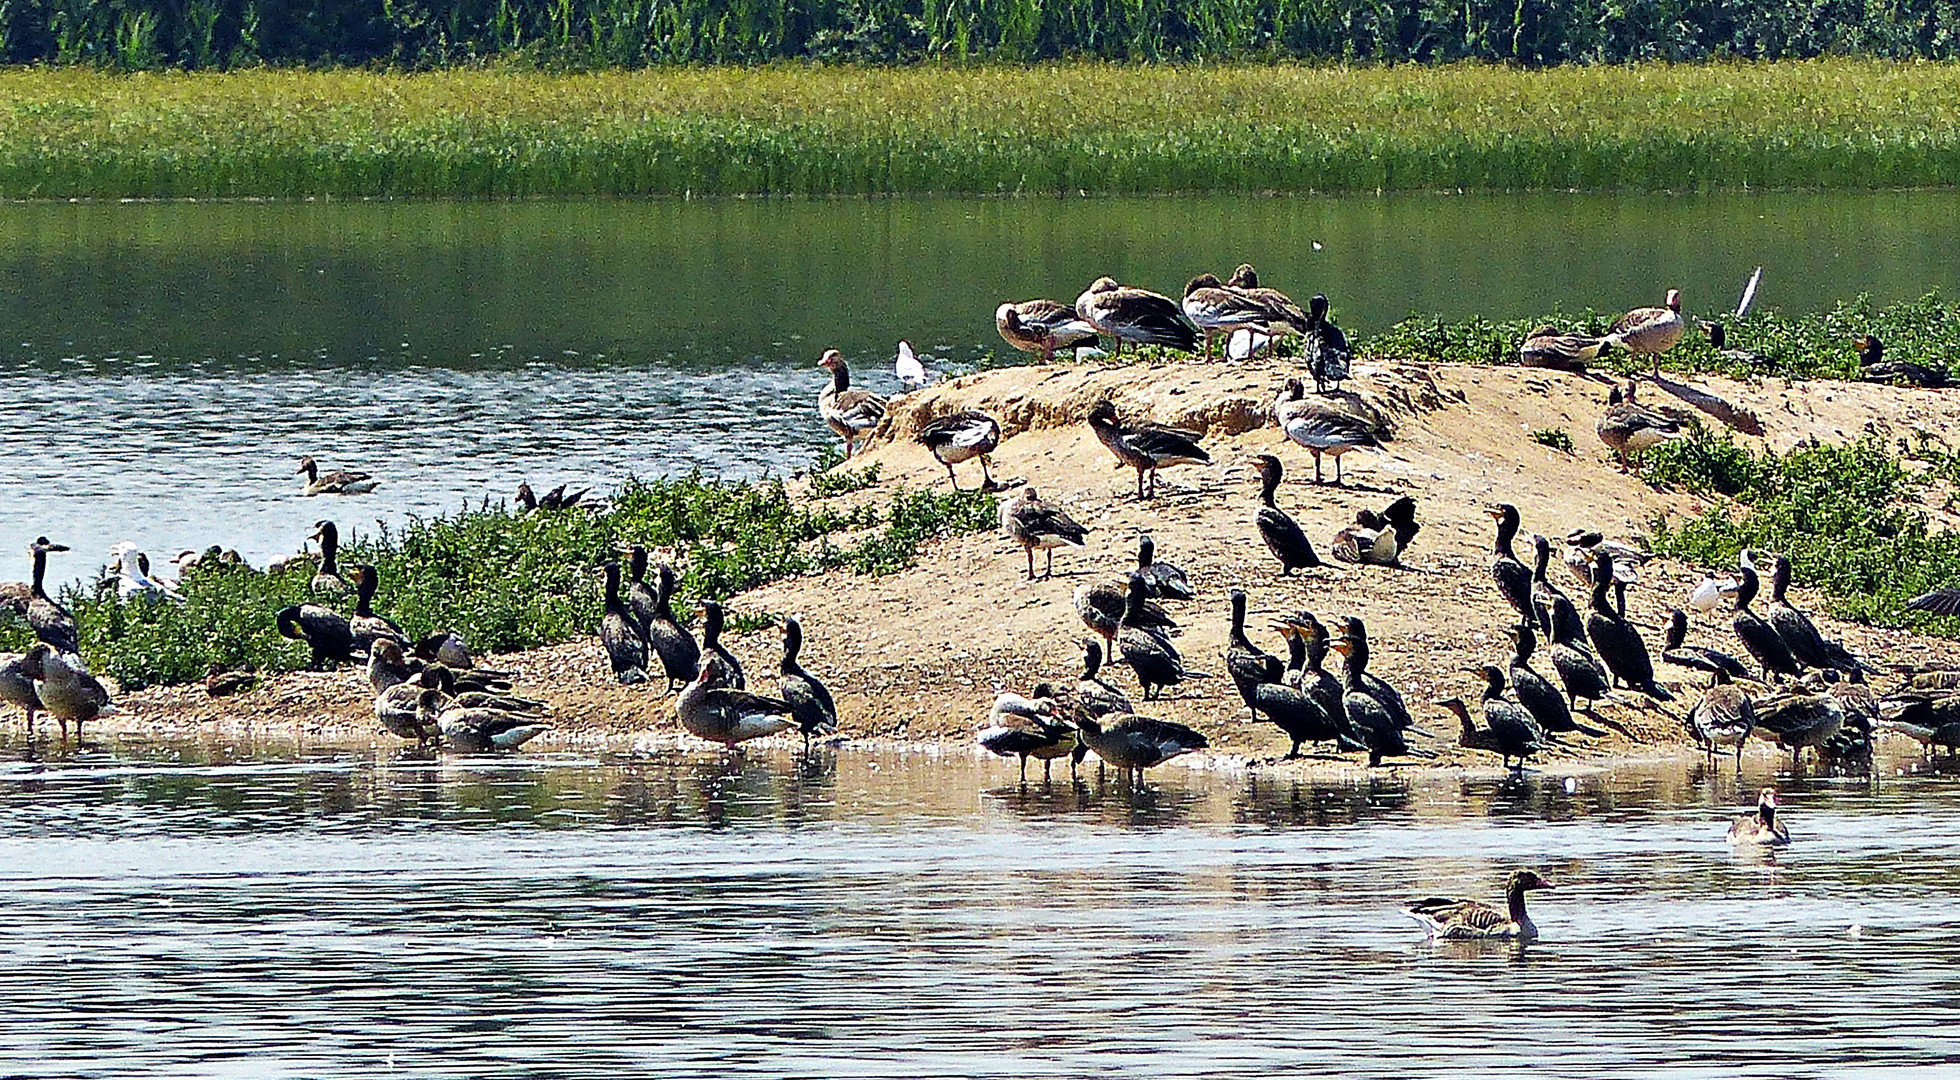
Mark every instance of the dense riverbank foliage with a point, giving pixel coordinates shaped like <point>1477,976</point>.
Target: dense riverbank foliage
<point>423,33</point>
<point>1051,129</point>
<point>1853,518</point>
<point>511,582</point>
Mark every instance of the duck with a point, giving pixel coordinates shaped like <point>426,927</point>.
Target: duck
<point>1513,580</point>
<point>1760,829</point>
<point>1554,609</point>
<point>1678,652</point>
<point>1539,697</point>
<point>1161,580</point>
<point>1103,608</point>
<point>327,580</point>
<point>1457,920</point>
<point>1148,649</point>
<point>622,634</point>
<point>51,623</point>
<point>1616,641</point>
<point>1797,719</point>
<point>479,730</point>
<point>1579,671</point>
<point>1137,316</point>
<point>1282,313</point>
<point>1511,724</point>
<point>1724,716</point>
<point>1326,351</point>
<point>1246,663</point>
<point>1283,535</point>
<point>1216,310</point>
<point>1370,540</point>
<point>1873,367</point>
<point>1372,709</point>
<point>1649,331</point>
<point>1718,339</point>
<point>1628,426</point>
<point>341,482</point>
<point>1758,636</point>
<point>400,710</point>
<point>1145,447</point>
<point>1022,727</point>
<point>366,626</point>
<point>68,692</point>
<point>961,437</point>
<point>17,687</point>
<point>711,622</point>
<point>1043,326</point>
<point>710,709</point>
<point>1326,431</point>
<point>810,703</point>
<point>1033,524</point>
<point>666,638</point>
<point>850,412</point>
<point>1807,646</point>
<point>1096,695</point>
<point>1547,347</point>
<point>324,631</point>
<point>1136,743</point>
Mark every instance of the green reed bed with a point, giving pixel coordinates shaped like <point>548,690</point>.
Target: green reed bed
<point>793,129</point>
<point>508,582</point>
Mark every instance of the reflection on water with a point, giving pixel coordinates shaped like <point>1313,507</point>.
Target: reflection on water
<point>262,908</point>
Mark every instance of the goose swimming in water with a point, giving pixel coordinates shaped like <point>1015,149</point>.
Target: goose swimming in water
<point>1321,427</point>
<point>852,413</point>
<point>960,437</point>
<point>341,482</point>
<point>622,635</point>
<point>1283,535</point>
<point>50,622</point>
<point>809,699</point>
<point>1136,316</point>
<point>1145,447</point>
<point>1456,919</point>
<point>324,631</point>
<point>1033,524</point>
<point>1043,326</point>
<point>1760,829</point>
<point>710,709</point>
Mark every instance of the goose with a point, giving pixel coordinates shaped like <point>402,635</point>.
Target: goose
<point>666,638</point>
<point>1283,535</point>
<point>1326,351</point>
<point>1807,646</point>
<point>400,710</point>
<point>1456,920</point>
<point>1246,663</point>
<point>1369,540</point>
<point>447,647</point>
<point>1103,607</point>
<point>1873,367</point>
<point>1512,726</point>
<point>960,437</point>
<point>711,621</point>
<point>1930,717</point>
<point>809,699</point>
<point>1616,641</point>
<point>1760,829</point>
<point>1283,313</point>
<point>327,580</point>
<point>1513,580</point>
<point>472,697</point>
<point>1627,425</point>
<point>50,622</point>
<point>1216,310</point>
<point>333,483</point>
<point>1676,651</point>
<point>1147,649</point>
<point>906,366</point>
<point>388,666</point>
<point>1579,671</point>
<point>366,626</point>
<point>1649,331</point>
<point>1138,316</point>
<point>1324,430</point>
<point>1033,524</point>
<point>477,730</point>
<point>1554,608</point>
<point>852,413</point>
<point>1758,636</point>
<point>324,631</point>
<point>1135,743</point>
<point>1161,580</point>
<point>1718,339</point>
<point>1546,704</point>
<point>1373,710</point>
<point>1097,696</point>
<point>1042,326</point>
<point>1021,727</point>
<point>1723,717</point>
<point>622,634</point>
<point>1797,719</point>
<point>1145,447</point>
<point>1546,347</point>
<point>220,681</point>
<point>68,692</point>
<point>1582,544</point>
<point>1851,747</point>
<point>711,710</point>
<point>17,687</point>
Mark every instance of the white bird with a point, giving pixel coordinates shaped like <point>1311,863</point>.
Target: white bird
<point>1708,595</point>
<point>1749,293</point>
<point>911,373</point>
<point>1246,343</point>
<point>132,581</point>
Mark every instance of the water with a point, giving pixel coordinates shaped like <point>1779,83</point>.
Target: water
<point>267,910</point>
<point>167,363</point>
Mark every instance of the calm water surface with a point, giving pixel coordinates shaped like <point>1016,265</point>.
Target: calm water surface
<point>178,909</point>
<point>165,364</point>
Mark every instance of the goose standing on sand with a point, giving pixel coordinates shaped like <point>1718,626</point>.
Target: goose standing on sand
<point>68,691</point>
<point>341,482</point>
<point>1138,316</point>
<point>1033,524</point>
<point>709,709</point>
<point>17,687</point>
<point>1161,579</point>
<point>1873,367</point>
<point>327,580</point>
<point>1546,347</point>
<point>1105,609</point>
<point>1649,331</point>
<point>366,626</point>
<point>622,634</point>
<point>323,630</point>
<point>961,437</point>
<point>1135,743</point>
<point>1148,649</point>
<point>1760,829</point>
<point>1678,652</point>
<point>1022,727</point>
<point>1326,351</point>
<point>1246,663</point>
<point>1374,710</point>
<point>680,655</point>
<point>1457,920</point>
<point>1216,310</point>
<point>1513,580</point>
<point>1283,535</point>
<point>1723,717</point>
<point>1145,447</point>
<point>1627,425</point>
<point>1618,644</point>
<point>1042,326</point>
<point>810,703</point>
<point>1282,313</point>
<point>1758,636</point>
<point>1097,696</point>
<point>711,620</point>
<point>50,622</point>
<point>1546,704</point>
<point>852,413</point>
<point>1324,430</point>
<point>1807,646</point>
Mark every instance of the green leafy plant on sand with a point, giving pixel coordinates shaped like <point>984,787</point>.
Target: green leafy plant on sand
<point>1556,438</point>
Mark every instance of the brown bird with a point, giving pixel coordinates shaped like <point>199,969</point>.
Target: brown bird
<point>850,412</point>
<point>1138,316</point>
<point>1042,326</point>
<point>1649,330</point>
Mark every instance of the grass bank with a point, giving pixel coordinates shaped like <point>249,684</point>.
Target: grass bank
<point>1049,129</point>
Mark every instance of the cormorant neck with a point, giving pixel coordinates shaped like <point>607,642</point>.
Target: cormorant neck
<point>1238,621</point>
<point>1296,653</point>
<point>711,626</point>
<point>40,573</point>
<point>612,586</point>
<point>1507,530</point>
<point>1527,644</point>
<point>1542,559</point>
<point>1146,553</point>
<point>1268,483</point>
<point>792,644</point>
<point>1600,587</point>
<point>1745,590</point>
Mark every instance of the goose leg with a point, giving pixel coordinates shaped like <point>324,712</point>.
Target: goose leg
<point>1049,571</point>
<point>986,476</point>
<point>952,476</point>
<point>1024,770</point>
<point>1316,467</point>
<point>1337,470</point>
<point>1047,770</point>
<point>1030,564</point>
